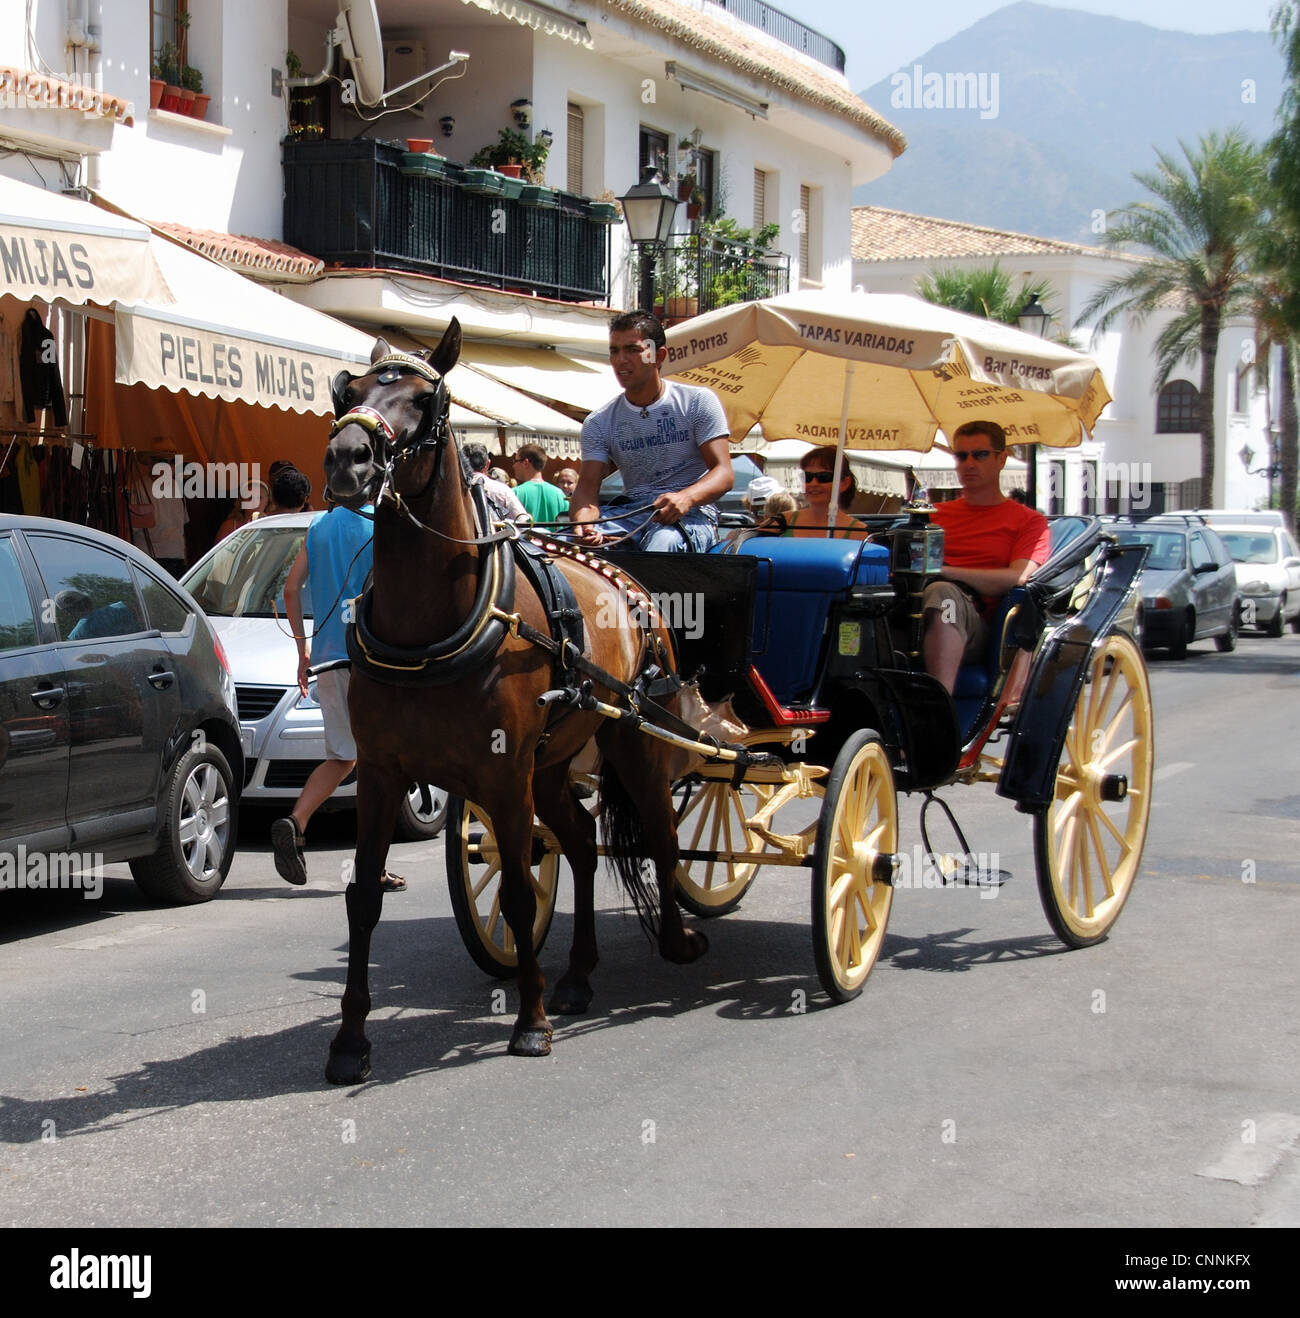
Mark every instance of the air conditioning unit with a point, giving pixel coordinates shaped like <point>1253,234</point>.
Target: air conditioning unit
<point>403,60</point>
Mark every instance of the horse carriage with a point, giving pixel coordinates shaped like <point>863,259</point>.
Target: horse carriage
<point>496,684</point>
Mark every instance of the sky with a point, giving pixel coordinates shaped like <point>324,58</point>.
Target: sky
<point>879,36</point>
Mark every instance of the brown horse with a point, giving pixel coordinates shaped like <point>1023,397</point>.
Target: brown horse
<point>477,729</point>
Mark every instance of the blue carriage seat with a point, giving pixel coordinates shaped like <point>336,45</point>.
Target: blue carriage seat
<point>797,581</point>
<point>975,681</point>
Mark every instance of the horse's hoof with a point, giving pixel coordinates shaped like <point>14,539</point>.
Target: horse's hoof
<point>347,1068</point>
<point>530,1043</point>
<point>570,999</point>
<point>694,945</point>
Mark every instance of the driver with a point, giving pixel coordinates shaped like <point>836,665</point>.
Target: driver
<point>991,544</point>
<point>669,440</point>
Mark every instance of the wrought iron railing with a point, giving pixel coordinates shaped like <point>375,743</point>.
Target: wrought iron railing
<point>351,204</point>
<point>698,272</point>
<point>786,29</point>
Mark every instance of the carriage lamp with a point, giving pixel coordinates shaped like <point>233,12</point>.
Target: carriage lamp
<point>522,109</point>
<point>649,208</point>
<point>448,124</point>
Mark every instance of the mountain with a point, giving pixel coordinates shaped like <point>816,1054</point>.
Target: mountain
<point>1073,104</point>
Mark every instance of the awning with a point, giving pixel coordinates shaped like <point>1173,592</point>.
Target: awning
<point>56,247</point>
<point>540,18</point>
<point>490,398</point>
<point>227,337</point>
<point>552,377</point>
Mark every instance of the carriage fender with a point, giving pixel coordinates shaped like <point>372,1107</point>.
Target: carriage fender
<point>1056,677</point>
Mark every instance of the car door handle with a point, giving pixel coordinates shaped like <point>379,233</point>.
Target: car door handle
<point>160,679</point>
<point>46,697</point>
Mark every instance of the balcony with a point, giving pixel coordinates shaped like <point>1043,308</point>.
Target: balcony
<point>700,272</point>
<point>360,204</point>
<point>789,31</point>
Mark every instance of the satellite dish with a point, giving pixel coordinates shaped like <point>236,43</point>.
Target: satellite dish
<point>358,34</point>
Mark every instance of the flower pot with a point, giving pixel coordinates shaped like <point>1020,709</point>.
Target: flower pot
<point>419,144</point>
<point>534,194</point>
<point>678,308</point>
<point>693,210</point>
<point>511,186</point>
<point>201,101</point>
<point>511,171</point>
<point>604,212</point>
<point>187,102</point>
<point>156,86</point>
<point>485,181</point>
<point>171,99</point>
<point>423,163</point>
<point>684,190</point>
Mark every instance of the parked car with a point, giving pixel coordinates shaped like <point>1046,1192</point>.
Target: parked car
<point>1268,571</point>
<point>1217,517</point>
<point>240,585</point>
<point>119,739</point>
<point>1189,585</point>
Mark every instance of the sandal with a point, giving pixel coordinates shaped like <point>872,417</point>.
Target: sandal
<point>287,841</point>
<point>392,882</point>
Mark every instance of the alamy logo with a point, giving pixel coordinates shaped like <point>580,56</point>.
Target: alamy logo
<point>52,869</point>
<point>102,1272</point>
<point>919,90</point>
<point>683,611</point>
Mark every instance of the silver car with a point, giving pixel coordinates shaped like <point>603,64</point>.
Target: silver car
<point>1268,570</point>
<point>240,585</point>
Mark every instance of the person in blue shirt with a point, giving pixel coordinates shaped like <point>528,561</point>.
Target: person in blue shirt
<point>335,560</point>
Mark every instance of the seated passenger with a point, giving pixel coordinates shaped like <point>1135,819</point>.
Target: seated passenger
<point>669,441</point>
<point>991,544</point>
<point>778,510</point>
<point>818,467</point>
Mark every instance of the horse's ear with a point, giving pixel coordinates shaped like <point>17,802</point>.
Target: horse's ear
<point>447,353</point>
<point>381,349</point>
<point>338,387</point>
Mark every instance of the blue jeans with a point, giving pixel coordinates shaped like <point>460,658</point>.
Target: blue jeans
<point>694,533</point>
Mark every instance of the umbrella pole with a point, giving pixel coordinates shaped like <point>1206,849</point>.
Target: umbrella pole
<point>839,450</point>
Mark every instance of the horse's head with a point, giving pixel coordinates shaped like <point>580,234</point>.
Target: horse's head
<point>397,411</point>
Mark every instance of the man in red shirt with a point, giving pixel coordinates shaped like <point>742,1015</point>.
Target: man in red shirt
<point>991,544</point>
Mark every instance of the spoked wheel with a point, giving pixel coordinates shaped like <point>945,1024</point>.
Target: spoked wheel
<point>711,817</point>
<point>474,878</point>
<point>857,836</point>
<point>1088,843</point>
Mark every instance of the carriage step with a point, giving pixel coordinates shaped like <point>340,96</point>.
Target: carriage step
<point>965,870</point>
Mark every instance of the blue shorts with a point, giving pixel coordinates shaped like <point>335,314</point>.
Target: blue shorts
<point>693,533</point>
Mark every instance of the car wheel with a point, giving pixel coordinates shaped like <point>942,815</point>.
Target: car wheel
<point>423,814</point>
<point>197,841</point>
<point>1178,647</point>
<point>1273,627</point>
<point>1227,642</point>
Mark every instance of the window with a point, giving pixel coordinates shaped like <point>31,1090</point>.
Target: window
<point>574,148</point>
<point>760,199</point>
<point>654,150</point>
<point>1202,554</point>
<point>166,612</point>
<point>706,174</point>
<point>169,24</point>
<point>1091,504</point>
<point>1055,489</point>
<point>805,220</point>
<point>91,590</point>
<point>1241,382</point>
<point>17,622</point>
<point>1178,407</point>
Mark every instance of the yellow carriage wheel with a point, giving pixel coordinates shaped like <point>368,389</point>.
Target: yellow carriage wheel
<point>474,880</point>
<point>1088,843</point>
<point>857,838</point>
<point>711,817</point>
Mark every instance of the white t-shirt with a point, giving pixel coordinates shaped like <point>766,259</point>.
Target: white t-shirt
<point>657,449</point>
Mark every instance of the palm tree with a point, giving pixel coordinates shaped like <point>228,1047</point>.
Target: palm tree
<point>1199,232</point>
<point>984,291</point>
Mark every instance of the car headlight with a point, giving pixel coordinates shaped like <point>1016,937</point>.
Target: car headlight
<point>308,701</point>
<point>1255,588</point>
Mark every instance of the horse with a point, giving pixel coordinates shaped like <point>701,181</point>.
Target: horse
<point>446,689</point>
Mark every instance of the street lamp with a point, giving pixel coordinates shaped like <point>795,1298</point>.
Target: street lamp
<point>649,208</point>
<point>1034,318</point>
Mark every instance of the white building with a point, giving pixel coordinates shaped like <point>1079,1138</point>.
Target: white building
<point>762,121</point>
<point>1147,451</point>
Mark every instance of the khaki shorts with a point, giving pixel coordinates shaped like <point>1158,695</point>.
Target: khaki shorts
<point>332,693</point>
<point>961,612</point>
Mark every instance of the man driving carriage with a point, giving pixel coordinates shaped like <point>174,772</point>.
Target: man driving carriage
<point>991,545</point>
<point>669,441</point>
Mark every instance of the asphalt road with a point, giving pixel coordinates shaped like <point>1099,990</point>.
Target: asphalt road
<point>163,1066</point>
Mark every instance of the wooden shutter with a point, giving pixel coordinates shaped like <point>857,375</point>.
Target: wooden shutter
<point>760,199</point>
<point>575,147</point>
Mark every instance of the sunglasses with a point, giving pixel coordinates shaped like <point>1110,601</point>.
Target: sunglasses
<point>819,477</point>
<point>979,454</point>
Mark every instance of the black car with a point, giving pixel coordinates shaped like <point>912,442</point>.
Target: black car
<point>119,738</point>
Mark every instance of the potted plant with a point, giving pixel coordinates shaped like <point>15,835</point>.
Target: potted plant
<point>680,292</point>
<point>156,85</point>
<point>513,148</point>
<point>169,70</point>
<point>192,82</point>
<point>606,209</point>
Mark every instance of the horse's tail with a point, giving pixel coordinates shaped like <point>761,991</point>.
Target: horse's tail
<point>625,846</point>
